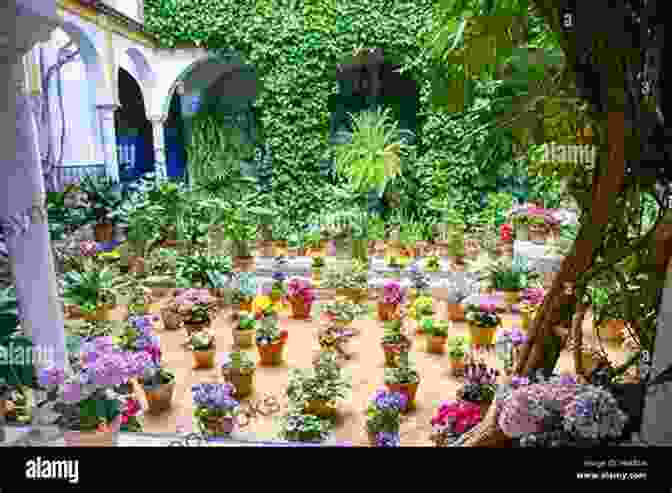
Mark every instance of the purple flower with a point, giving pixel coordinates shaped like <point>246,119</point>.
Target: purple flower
<point>51,376</point>
<point>517,381</point>
<point>279,276</point>
<point>72,392</point>
<point>216,397</point>
<point>567,380</point>
<point>384,400</point>
<point>387,439</point>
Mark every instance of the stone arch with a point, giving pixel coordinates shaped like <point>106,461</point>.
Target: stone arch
<point>138,66</point>
<point>93,63</point>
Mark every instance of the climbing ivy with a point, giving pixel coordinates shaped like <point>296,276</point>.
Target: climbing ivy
<point>295,47</point>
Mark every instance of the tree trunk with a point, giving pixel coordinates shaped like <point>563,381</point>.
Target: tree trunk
<point>606,187</point>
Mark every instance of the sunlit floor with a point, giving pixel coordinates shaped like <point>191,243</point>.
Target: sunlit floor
<point>365,367</point>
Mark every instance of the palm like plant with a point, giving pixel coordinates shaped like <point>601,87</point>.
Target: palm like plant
<point>371,158</point>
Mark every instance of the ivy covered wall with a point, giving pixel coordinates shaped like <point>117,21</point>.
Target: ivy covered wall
<point>295,47</point>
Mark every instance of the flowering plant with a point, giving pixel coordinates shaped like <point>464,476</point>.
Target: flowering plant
<point>196,305</point>
<point>384,415</point>
<point>483,315</point>
<point>393,293</point>
<point>506,233</point>
<point>522,214</point>
<point>138,335</point>
<point>263,307</point>
<point>86,396</point>
<point>452,420</point>
<point>270,333</point>
<point>325,382</point>
<point>533,296</point>
<point>480,383</point>
<point>299,427</point>
<point>557,414</point>
<point>301,288</point>
<point>131,415</point>
<point>214,400</point>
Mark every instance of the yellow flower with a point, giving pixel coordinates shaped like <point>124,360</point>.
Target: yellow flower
<point>113,254</point>
<point>262,304</point>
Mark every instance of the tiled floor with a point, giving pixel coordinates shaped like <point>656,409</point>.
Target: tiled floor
<point>365,368</point>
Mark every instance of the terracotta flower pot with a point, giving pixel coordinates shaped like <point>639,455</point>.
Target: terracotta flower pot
<point>271,354</point>
<point>245,306</point>
<point>171,320</point>
<point>386,311</point>
<point>102,314</point>
<point>103,233</point>
<point>321,408</point>
<point>94,438</point>
<point>292,252</point>
<point>482,336</point>
<point>204,359</point>
<point>160,399</point>
<point>611,330</point>
<point>436,344</point>
<point>243,338</point>
<point>243,264</point>
<point>456,365</point>
<point>455,312</point>
<point>219,426</point>
<point>266,249</point>
<point>300,309</point>
<point>410,389</point>
<point>243,383</point>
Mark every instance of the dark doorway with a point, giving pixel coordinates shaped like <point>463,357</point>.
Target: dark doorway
<point>134,131</point>
<point>176,157</point>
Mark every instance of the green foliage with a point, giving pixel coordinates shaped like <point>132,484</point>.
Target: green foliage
<point>16,367</point>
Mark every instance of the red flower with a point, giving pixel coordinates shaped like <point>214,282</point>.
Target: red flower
<point>284,334</point>
<point>124,419</point>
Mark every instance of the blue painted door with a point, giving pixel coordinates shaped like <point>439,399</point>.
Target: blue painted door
<point>175,154</point>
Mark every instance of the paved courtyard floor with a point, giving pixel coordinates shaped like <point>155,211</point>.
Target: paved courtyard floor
<point>365,367</point>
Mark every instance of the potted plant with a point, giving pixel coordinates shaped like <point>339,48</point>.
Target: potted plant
<point>508,347</point>
<point>137,335</point>
<point>452,420</point>
<point>91,292</point>
<point>457,293</point>
<point>432,264</point>
<point>244,329</point>
<point>90,414</point>
<point>202,345</point>
<point>278,289</point>
<point>605,326</point>
<point>422,307</point>
<point>270,342</point>
<point>383,418</point>
<point>162,269</point>
<point>350,280</point>
<point>238,369</point>
<point>143,223</point>
<point>297,426</point>
<point>341,312</point>
<point>196,308</point>
<point>245,289</point>
<point>318,390</point>
<point>480,385</point>
<point>105,199</point>
<point>301,296</point>
<point>393,296</point>
<point>531,301</point>
<point>264,308</point>
<point>457,351</point>
<point>159,387</point>
<point>318,265</point>
<point>437,335</point>
<point>403,379</point>
<point>215,409</point>
<point>394,342</point>
<point>511,280</point>
<point>483,322</point>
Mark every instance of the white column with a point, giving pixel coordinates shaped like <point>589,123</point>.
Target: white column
<point>108,135</point>
<point>160,167</point>
<point>656,419</point>
<point>24,224</point>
